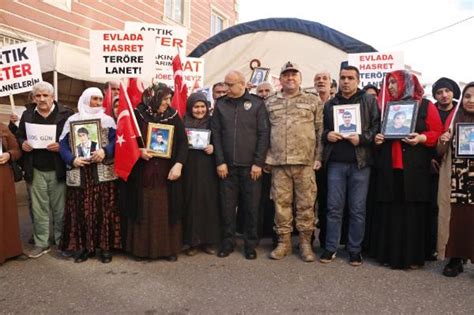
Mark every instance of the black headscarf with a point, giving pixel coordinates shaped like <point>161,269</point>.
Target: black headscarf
<point>189,120</point>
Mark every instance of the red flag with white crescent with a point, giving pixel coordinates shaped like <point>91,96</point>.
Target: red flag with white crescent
<point>127,152</point>
<point>180,88</point>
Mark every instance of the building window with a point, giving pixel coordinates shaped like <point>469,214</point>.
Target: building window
<point>6,40</point>
<point>218,21</point>
<point>174,10</point>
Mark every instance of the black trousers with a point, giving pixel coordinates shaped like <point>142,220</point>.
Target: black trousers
<point>239,180</point>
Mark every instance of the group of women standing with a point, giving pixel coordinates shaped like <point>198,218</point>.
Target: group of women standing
<point>168,202</point>
<point>399,227</point>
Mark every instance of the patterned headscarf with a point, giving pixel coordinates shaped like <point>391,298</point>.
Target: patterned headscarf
<point>151,101</point>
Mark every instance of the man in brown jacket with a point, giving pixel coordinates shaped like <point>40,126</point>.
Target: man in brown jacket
<point>295,152</point>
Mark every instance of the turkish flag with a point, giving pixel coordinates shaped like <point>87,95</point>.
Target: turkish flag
<point>180,89</point>
<point>126,147</point>
<point>107,102</point>
<point>135,90</point>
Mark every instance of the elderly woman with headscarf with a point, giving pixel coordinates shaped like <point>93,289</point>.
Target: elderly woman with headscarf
<point>403,179</point>
<point>154,190</point>
<point>91,216</point>
<point>201,192</point>
<point>456,193</point>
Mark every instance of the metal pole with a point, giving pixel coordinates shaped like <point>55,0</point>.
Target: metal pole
<point>55,84</point>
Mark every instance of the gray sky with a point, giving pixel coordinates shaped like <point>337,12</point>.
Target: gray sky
<point>385,24</point>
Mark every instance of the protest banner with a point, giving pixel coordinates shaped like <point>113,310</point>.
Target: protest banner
<point>374,66</point>
<point>193,75</point>
<point>40,136</point>
<point>19,68</point>
<point>122,54</point>
<point>170,40</point>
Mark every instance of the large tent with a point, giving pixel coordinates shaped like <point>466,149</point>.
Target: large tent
<point>273,42</point>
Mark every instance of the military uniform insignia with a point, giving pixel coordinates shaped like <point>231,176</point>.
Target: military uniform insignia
<point>247,105</point>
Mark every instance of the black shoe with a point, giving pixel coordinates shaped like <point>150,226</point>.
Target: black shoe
<point>252,254</point>
<point>355,259</point>
<point>172,258</point>
<point>81,256</point>
<point>225,251</point>
<point>453,268</point>
<point>106,257</point>
<point>327,256</point>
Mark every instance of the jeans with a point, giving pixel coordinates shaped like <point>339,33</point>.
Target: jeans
<point>342,178</point>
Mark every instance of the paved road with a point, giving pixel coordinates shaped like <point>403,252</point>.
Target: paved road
<point>206,284</point>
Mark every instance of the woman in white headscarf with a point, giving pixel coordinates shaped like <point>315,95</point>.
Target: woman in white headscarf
<point>91,216</point>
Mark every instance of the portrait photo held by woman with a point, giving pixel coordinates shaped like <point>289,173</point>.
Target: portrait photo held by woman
<point>154,190</point>
<point>201,193</point>
<point>400,231</point>
<point>91,216</point>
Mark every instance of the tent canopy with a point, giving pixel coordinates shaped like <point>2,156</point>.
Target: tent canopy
<point>69,60</point>
<point>313,46</point>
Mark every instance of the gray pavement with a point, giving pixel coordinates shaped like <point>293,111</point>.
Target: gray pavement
<point>206,284</point>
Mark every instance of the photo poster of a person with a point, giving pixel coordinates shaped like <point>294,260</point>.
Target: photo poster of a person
<point>399,119</point>
<point>198,139</point>
<point>159,140</point>
<point>347,123</point>
<point>258,76</point>
<point>464,140</point>
<point>86,141</point>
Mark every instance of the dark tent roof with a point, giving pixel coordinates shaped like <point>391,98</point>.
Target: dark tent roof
<point>309,28</point>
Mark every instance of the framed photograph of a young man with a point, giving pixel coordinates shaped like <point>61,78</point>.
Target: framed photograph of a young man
<point>160,140</point>
<point>259,75</point>
<point>347,119</point>
<point>198,139</point>
<point>399,119</point>
<point>464,140</point>
<point>85,137</point>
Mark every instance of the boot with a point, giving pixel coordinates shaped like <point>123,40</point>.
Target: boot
<point>306,249</point>
<point>283,248</point>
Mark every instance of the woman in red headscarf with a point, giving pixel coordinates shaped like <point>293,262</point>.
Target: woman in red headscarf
<point>403,179</point>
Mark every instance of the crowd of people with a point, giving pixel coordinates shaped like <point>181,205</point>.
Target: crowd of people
<point>276,164</point>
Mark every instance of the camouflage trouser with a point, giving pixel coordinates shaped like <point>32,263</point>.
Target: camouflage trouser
<point>301,180</point>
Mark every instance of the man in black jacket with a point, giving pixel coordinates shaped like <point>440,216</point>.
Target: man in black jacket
<point>348,159</point>
<point>44,168</point>
<point>241,132</point>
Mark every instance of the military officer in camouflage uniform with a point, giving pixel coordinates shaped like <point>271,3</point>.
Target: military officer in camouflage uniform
<point>295,152</point>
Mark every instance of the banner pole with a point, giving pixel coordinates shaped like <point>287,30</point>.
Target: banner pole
<point>12,103</point>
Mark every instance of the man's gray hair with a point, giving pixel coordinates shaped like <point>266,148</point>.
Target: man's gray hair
<point>43,86</point>
<point>265,83</point>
